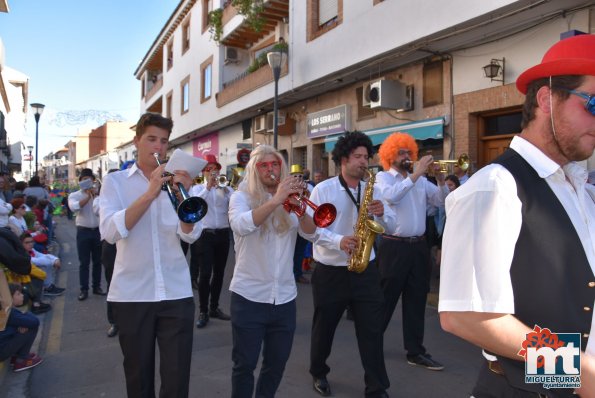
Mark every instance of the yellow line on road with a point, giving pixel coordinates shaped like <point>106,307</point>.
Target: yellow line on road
<point>55,333</point>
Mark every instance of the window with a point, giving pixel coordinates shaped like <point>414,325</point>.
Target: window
<point>503,124</point>
<point>185,85</point>
<point>186,35</point>
<point>206,80</point>
<point>170,54</point>
<point>323,15</point>
<point>207,7</point>
<point>168,104</point>
<point>432,91</point>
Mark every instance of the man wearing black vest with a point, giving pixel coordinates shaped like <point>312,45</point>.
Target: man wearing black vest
<point>528,223</point>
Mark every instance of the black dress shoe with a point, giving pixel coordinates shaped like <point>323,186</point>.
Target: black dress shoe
<point>112,331</point>
<point>218,314</point>
<point>83,295</point>
<point>425,361</point>
<point>99,291</point>
<point>203,319</point>
<point>322,387</point>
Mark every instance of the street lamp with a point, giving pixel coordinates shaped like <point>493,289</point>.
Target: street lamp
<point>30,148</point>
<point>275,59</point>
<point>38,109</point>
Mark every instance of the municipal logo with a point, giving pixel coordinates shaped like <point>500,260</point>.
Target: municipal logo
<point>552,359</point>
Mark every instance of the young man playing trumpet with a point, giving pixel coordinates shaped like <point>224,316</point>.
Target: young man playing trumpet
<point>404,259</point>
<point>209,252</point>
<point>150,288</point>
<point>333,286</point>
<point>263,309</point>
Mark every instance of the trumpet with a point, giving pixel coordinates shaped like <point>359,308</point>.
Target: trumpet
<point>463,162</point>
<point>324,214</point>
<point>222,181</point>
<point>190,209</point>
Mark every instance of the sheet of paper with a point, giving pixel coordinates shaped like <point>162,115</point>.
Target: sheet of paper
<point>181,160</point>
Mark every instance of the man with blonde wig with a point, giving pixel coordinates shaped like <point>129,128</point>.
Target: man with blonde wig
<point>528,257</point>
<point>263,309</point>
<point>403,254</point>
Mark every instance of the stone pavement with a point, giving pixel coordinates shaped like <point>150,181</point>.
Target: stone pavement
<point>80,361</point>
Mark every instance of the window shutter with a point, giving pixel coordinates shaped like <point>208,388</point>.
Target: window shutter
<point>327,10</point>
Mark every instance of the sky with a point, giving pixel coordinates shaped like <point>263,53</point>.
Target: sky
<point>80,57</point>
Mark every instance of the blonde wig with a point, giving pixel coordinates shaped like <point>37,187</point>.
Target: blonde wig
<point>279,220</point>
<point>389,150</point>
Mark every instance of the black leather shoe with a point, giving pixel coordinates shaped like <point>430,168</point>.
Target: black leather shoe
<point>218,314</point>
<point>112,331</point>
<point>203,319</point>
<point>83,295</point>
<point>99,291</point>
<point>424,360</point>
<point>322,387</point>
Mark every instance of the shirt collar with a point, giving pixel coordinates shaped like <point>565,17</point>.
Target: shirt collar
<point>132,169</point>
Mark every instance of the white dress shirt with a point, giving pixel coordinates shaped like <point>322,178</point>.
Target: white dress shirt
<point>477,255</point>
<point>264,259</point>
<point>5,209</point>
<point>150,264</point>
<point>409,200</point>
<point>218,201</point>
<point>327,246</point>
<point>88,215</point>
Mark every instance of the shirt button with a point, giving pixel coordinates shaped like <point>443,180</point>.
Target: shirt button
<point>591,284</point>
<point>587,309</point>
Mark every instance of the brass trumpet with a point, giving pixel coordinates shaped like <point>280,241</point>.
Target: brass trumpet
<point>190,209</point>
<point>222,181</point>
<point>463,162</point>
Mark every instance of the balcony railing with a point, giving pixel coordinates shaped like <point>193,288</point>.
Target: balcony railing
<point>156,87</point>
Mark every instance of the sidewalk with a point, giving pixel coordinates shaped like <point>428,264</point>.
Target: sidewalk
<point>80,361</point>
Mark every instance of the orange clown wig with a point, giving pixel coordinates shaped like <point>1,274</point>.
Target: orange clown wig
<point>389,150</point>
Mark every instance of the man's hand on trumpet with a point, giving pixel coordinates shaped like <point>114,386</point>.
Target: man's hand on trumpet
<point>156,181</point>
<point>212,180</point>
<point>289,186</point>
<point>181,176</point>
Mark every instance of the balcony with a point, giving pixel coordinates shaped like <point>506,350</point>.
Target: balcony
<point>244,35</point>
<point>246,83</point>
<point>154,88</point>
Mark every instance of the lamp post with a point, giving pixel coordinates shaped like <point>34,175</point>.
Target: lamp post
<point>38,109</point>
<point>275,59</point>
<point>30,148</point>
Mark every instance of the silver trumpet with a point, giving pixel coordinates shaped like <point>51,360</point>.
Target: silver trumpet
<point>190,209</point>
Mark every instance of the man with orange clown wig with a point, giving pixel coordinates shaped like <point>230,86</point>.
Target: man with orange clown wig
<point>403,254</point>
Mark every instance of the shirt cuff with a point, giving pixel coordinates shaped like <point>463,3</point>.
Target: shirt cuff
<point>193,235</point>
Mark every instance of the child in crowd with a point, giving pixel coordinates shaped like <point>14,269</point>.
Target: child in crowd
<point>18,336</point>
<point>47,262</point>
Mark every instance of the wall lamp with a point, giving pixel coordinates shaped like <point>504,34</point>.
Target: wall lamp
<point>495,68</point>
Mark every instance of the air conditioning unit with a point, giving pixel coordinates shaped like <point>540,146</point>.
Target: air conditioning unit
<point>260,123</point>
<point>388,94</point>
<point>271,120</point>
<point>232,55</point>
<point>366,95</point>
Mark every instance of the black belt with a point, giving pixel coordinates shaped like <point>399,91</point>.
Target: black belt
<point>214,230</point>
<point>87,228</point>
<point>407,239</point>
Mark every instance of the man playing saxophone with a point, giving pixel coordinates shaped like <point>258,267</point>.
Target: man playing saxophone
<point>333,286</point>
<point>404,259</point>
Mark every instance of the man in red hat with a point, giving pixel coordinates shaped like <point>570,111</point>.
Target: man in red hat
<point>526,269</point>
<point>209,252</point>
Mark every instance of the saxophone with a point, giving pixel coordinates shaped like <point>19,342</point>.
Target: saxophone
<point>365,230</point>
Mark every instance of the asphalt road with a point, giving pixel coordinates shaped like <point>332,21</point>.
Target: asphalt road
<point>81,361</point>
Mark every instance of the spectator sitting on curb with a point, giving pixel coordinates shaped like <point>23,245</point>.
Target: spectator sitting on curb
<point>47,262</point>
<point>18,336</point>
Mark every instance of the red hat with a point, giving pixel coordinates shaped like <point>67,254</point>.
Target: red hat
<point>211,159</point>
<point>572,56</point>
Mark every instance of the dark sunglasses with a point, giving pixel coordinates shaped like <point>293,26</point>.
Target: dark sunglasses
<point>590,100</point>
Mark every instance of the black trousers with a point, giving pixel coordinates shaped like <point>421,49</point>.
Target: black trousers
<point>88,245</point>
<point>207,263</point>
<point>108,259</point>
<point>492,385</point>
<point>405,271</point>
<point>333,289</point>
<point>170,324</point>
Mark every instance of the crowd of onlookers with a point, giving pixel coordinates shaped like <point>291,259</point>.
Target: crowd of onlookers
<point>27,266</point>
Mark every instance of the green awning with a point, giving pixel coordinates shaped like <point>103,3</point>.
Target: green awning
<point>422,130</point>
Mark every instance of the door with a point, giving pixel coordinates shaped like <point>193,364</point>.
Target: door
<point>496,130</point>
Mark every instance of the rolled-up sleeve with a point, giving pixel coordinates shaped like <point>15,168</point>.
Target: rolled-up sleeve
<point>193,235</point>
<point>240,214</point>
<point>112,214</point>
<point>324,236</point>
<point>74,201</point>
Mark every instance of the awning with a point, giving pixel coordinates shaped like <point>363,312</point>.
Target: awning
<point>422,130</point>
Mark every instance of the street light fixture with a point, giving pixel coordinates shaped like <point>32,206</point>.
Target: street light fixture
<point>275,59</point>
<point>30,148</point>
<point>38,109</point>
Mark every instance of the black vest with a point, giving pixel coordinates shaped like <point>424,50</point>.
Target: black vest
<point>552,281</point>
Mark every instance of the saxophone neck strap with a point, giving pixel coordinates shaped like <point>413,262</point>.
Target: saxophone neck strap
<point>359,188</point>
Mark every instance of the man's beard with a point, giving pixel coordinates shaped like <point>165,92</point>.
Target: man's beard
<point>406,165</point>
